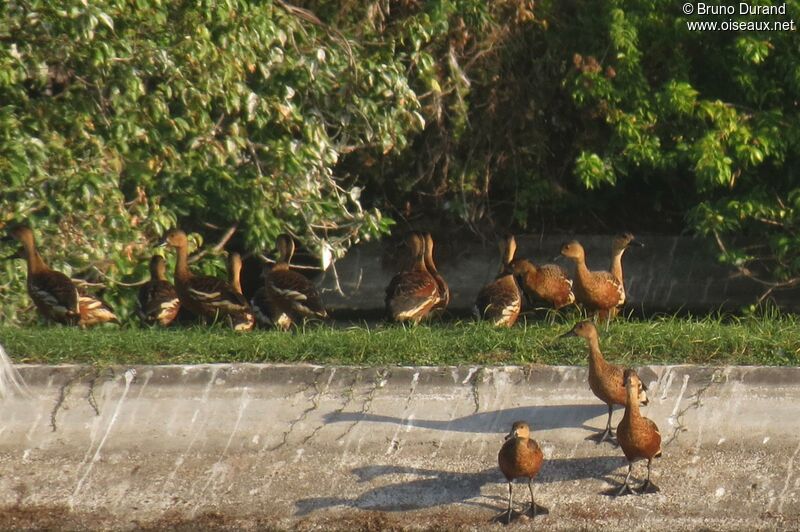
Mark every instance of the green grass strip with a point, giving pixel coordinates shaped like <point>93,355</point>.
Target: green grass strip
<point>711,341</point>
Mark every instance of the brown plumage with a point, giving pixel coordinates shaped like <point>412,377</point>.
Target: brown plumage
<point>413,292</point>
<point>260,303</point>
<point>605,379</point>
<point>637,435</point>
<point>205,296</point>
<point>158,299</point>
<point>598,291</point>
<point>548,282</point>
<point>240,321</point>
<point>55,295</point>
<point>289,296</point>
<point>500,301</point>
<point>618,246</point>
<point>441,284</point>
<point>520,457</point>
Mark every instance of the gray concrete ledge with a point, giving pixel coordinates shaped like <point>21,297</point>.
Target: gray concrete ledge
<point>263,446</point>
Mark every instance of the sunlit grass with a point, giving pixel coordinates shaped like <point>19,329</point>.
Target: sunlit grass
<point>670,340</point>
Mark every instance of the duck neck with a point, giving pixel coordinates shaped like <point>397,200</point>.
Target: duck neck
<point>581,269</point>
<point>419,263</point>
<point>34,260</point>
<point>632,409</point>
<point>157,272</point>
<point>616,264</point>
<point>182,271</point>
<point>235,283</point>
<point>595,355</point>
<point>429,264</point>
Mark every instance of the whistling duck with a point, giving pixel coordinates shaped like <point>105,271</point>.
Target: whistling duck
<point>241,321</point>
<point>441,284</point>
<point>605,379</point>
<point>413,292</point>
<point>158,300</point>
<point>548,282</point>
<point>618,246</point>
<point>54,294</point>
<point>637,435</point>
<point>290,296</point>
<point>598,292</point>
<point>205,296</point>
<point>520,457</point>
<point>500,301</point>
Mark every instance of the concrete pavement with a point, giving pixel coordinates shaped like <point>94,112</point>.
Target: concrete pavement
<point>309,447</point>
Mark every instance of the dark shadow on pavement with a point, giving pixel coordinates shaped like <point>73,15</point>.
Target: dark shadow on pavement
<point>437,488</point>
<point>541,418</point>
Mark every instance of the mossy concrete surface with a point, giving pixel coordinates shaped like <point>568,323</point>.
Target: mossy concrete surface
<point>306,447</point>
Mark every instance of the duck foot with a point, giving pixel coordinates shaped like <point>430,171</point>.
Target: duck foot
<point>536,509</point>
<point>606,435</point>
<point>648,487</point>
<point>626,489</point>
<point>506,517</point>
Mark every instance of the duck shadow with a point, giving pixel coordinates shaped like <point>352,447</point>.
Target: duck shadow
<point>544,417</point>
<point>430,487</point>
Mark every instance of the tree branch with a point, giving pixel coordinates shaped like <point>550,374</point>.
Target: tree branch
<point>216,248</point>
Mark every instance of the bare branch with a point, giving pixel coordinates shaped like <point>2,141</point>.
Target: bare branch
<point>268,260</point>
<point>770,286</point>
<point>216,248</point>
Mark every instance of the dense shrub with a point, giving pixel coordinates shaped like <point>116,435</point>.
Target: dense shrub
<point>122,118</point>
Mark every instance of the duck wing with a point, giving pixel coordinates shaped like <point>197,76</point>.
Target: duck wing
<point>554,285</point>
<point>94,310</point>
<point>296,293</point>
<point>55,296</point>
<point>158,302</point>
<point>411,294</point>
<point>216,294</point>
<point>499,301</point>
<point>606,289</point>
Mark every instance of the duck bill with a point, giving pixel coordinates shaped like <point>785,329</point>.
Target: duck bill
<point>568,334</point>
<point>635,243</point>
<point>512,434</point>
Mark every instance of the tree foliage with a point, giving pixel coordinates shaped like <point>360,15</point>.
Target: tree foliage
<point>122,118</point>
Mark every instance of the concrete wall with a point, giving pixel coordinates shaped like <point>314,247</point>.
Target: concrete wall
<point>260,446</point>
<point>667,275</point>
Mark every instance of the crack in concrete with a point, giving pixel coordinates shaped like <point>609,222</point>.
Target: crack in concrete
<point>63,393</point>
<point>302,416</point>
<point>90,393</point>
<point>696,402</point>
<point>382,375</point>
<point>474,381</point>
<point>316,400</point>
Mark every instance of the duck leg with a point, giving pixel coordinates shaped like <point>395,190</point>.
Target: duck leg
<point>533,504</point>
<point>648,487</point>
<point>626,488</point>
<point>608,433</point>
<point>510,496</point>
